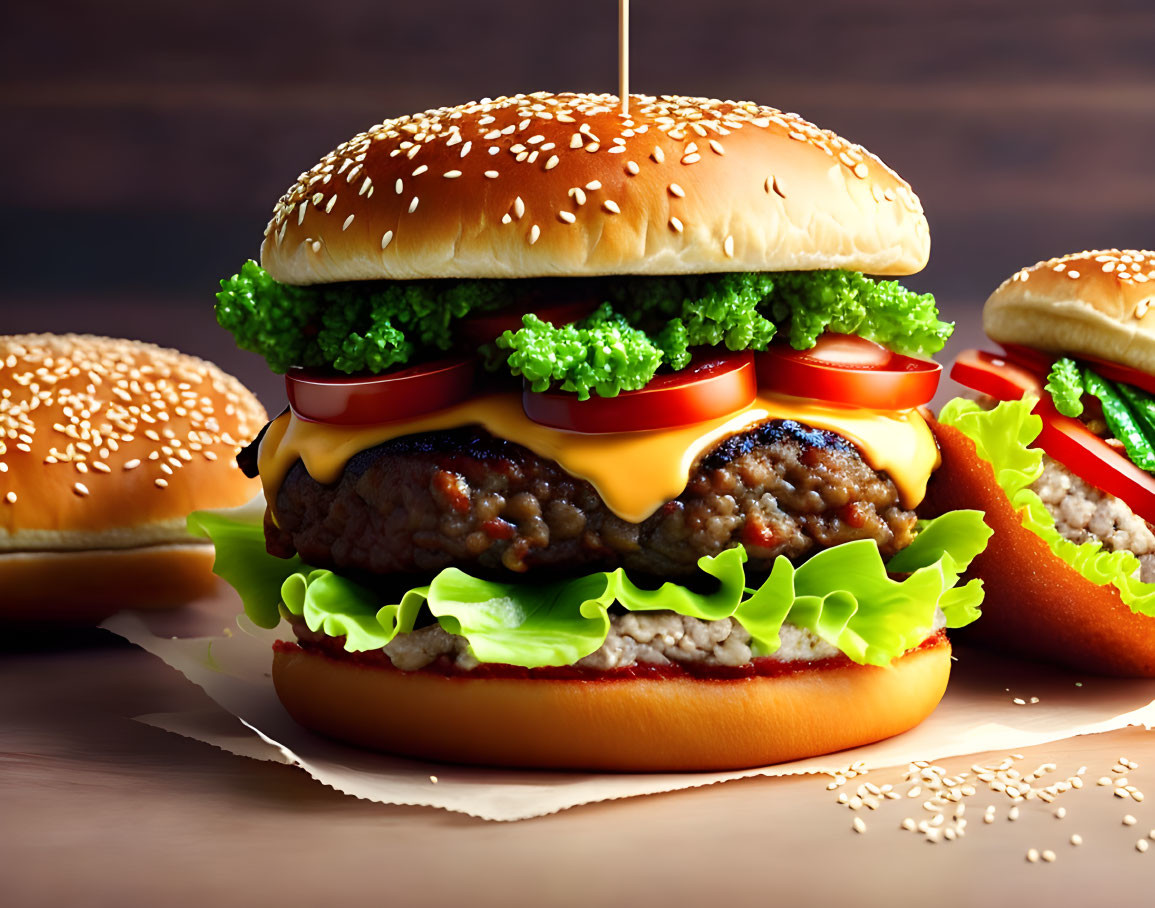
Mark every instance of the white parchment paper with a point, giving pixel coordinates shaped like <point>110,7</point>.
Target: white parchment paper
<point>992,704</point>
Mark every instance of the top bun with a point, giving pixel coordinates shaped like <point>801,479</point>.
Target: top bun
<point>565,185</point>
<point>112,443</point>
<point>1094,303</point>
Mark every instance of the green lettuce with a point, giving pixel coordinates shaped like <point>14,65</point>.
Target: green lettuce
<point>845,595</point>
<point>1001,438</point>
<point>643,324</point>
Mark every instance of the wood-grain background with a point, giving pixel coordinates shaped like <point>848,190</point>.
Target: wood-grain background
<point>143,144</point>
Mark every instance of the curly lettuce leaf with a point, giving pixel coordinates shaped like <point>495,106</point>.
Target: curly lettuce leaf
<point>1065,385</point>
<point>645,323</point>
<point>844,594</point>
<point>1001,438</point>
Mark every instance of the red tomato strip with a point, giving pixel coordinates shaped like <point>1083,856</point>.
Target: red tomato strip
<point>1064,438</point>
<point>849,370</point>
<point>707,389</point>
<point>364,400</point>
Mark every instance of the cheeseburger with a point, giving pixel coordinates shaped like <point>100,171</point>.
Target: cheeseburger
<point>602,451</point>
<point>1065,437</point>
<point>106,446</point>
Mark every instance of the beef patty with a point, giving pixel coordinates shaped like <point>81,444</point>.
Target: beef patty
<point>465,498</point>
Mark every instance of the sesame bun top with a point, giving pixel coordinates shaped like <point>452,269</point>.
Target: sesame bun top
<point>565,185</point>
<point>1096,303</point>
<point>111,443</point>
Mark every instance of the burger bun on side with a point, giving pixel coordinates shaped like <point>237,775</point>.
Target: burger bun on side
<point>109,445</point>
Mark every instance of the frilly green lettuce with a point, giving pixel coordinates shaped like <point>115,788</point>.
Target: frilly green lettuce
<point>1001,438</point>
<point>843,594</point>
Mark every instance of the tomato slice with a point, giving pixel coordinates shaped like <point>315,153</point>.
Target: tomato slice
<point>364,400</point>
<point>849,370</point>
<point>1064,438</point>
<point>475,330</point>
<point>710,387</point>
<point>1114,371</point>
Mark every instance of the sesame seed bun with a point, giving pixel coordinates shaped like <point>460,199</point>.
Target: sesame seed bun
<point>1096,303</point>
<point>565,185</point>
<point>107,445</point>
<point>1036,604</point>
<point>638,725</point>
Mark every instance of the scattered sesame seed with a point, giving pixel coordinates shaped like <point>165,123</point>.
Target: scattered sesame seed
<point>567,216</point>
<point>594,185</point>
<point>657,155</point>
<point>534,234</point>
<point>716,147</point>
<point>632,168</point>
<point>491,174</point>
<point>386,238</point>
<point>692,158</point>
<point>676,225</point>
<point>348,221</point>
<point>1033,855</point>
<point>728,246</point>
<point>552,162</point>
<point>1076,839</point>
<point>161,483</point>
<point>10,498</point>
<point>1060,812</point>
<point>1129,820</point>
<point>611,206</point>
<point>329,205</point>
<point>1141,845</point>
<point>132,464</point>
<point>80,489</point>
<point>1048,856</point>
<point>518,208</point>
<point>860,826</point>
<point>451,174</point>
<point>420,170</point>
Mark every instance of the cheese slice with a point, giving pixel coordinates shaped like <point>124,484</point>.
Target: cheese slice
<point>634,472</point>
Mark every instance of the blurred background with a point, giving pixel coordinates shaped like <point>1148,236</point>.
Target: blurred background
<point>145,143</point>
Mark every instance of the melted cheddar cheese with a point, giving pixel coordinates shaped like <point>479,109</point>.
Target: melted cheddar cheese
<point>634,472</point>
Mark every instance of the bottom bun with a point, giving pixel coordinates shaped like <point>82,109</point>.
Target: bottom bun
<point>1036,604</point>
<point>646,724</point>
<point>85,587</point>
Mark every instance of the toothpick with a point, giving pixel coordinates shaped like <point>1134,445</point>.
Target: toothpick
<point>624,55</point>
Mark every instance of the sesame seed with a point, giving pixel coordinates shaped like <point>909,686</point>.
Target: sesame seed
<point>576,140</point>
<point>632,168</point>
<point>594,185</point>
<point>413,205</point>
<point>677,191</point>
<point>658,155</point>
<point>1076,839</point>
<point>506,219</point>
<point>80,489</point>
<point>10,498</point>
<point>132,464</point>
<point>552,162</point>
<point>859,825</point>
<point>386,238</point>
<point>420,170</point>
<point>1141,846</point>
<point>1129,820</point>
<point>518,208</point>
<point>491,174</point>
<point>716,147</point>
<point>676,225</point>
<point>329,205</point>
<point>692,158</point>
<point>1048,856</point>
<point>578,195</point>
<point>1033,855</point>
<point>728,246</point>
<point>348,221</point>
<point>534,233</point>
<point>568,216</point>
<point>315,245</point>
<point>451,174</point>
<point>1073,274</point>
<point>399,186</point>
<point>611,206</point>
<point>161,483</point>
